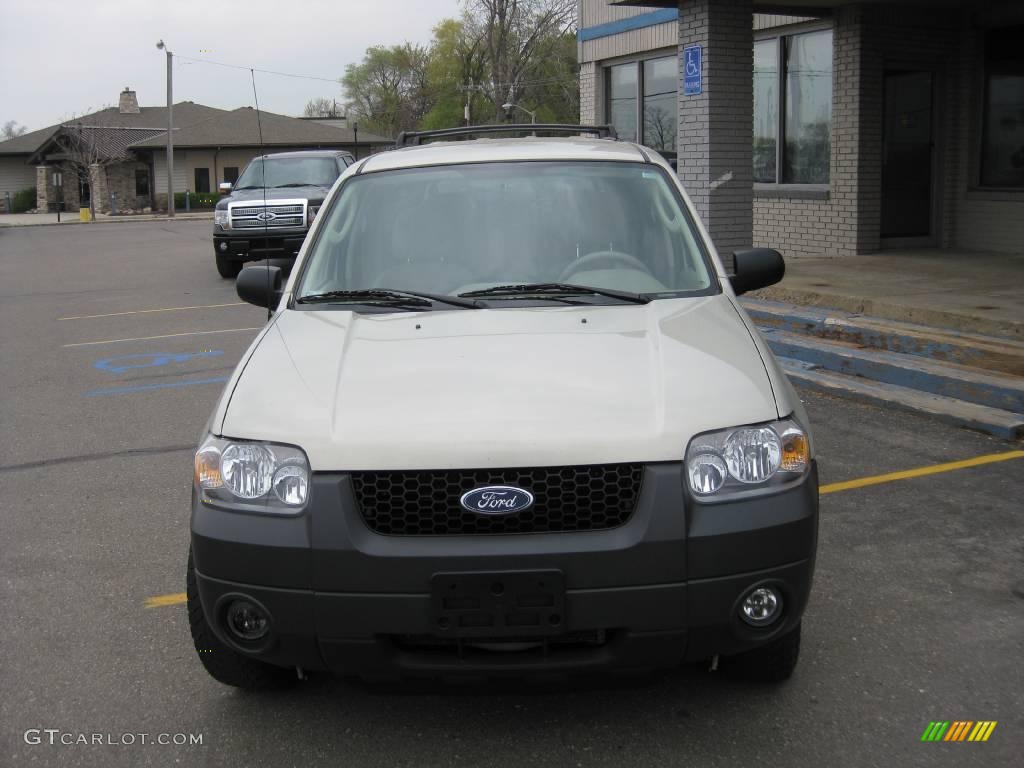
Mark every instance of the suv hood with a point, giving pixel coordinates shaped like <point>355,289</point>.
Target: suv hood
<point>498,387</point>
<point>309,192</point>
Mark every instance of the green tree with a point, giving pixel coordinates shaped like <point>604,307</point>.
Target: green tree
<point>387,92</point>
<point>456,68</point>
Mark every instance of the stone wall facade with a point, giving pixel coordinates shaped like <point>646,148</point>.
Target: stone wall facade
<point>120,181</point>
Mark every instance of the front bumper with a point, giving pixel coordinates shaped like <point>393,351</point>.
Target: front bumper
<point>659,590</point>
<point>250,246</point>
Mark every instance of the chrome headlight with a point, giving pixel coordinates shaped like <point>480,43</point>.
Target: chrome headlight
<point>311,213</point>
<point>746,461</point>
<point>252,476</point>
<point>220,218</point>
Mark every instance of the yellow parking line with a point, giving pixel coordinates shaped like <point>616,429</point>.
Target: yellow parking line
<point>179,597</point>
<point>161,600</point>
<point>164,336</point>
<point>146,311</point>
<point>934,469</point>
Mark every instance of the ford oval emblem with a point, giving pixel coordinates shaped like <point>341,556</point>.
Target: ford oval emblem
<point>266,216</point>
<point>497,500</point>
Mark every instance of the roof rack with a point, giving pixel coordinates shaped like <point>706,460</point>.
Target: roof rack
<point>415,138</point>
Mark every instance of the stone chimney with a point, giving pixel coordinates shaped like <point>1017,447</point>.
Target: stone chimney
<point>128,104</point>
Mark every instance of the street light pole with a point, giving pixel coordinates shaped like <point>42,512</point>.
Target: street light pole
<point>533,115</point>
<point>170,128</point>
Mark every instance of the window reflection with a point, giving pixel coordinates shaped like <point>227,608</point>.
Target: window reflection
<point>660,103</point>
<point>808,108</point>
<point>1002,147</point>
<point>766,108</point>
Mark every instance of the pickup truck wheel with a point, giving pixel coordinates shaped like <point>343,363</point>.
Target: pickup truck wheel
<point>771,663</point>
<point>225,664</point>
<point>226,267</point>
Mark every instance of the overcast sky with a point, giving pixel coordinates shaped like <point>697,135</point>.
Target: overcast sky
<point>67,57</point>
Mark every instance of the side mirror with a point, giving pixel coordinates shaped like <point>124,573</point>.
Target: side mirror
<point>224,187</point>
<point>260,286</point>
<point>756,268</point>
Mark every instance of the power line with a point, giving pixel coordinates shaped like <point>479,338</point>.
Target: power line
<point>334,80</point>
<point>337,80</point>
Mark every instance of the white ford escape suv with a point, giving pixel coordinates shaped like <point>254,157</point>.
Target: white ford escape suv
<point>507,418</point>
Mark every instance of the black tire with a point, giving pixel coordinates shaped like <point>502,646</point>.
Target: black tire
<point>771,663</point>
<point>225,664</point>
<point>226,267</point>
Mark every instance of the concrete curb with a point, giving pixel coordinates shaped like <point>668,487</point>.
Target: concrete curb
<point>112,220</point>
<point>936,318</point>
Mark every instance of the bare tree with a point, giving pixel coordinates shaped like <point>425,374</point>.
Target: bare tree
<point>321,107</point>
<point>11,130</point>
<point>83,151</point>
<point>513,32</point>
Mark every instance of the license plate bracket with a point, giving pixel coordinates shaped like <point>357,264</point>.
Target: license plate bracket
<point>498,604</point>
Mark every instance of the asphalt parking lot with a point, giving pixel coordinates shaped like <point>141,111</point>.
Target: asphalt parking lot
<point>116,340</point>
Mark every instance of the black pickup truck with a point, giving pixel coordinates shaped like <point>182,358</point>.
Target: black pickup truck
<point>271,206</point>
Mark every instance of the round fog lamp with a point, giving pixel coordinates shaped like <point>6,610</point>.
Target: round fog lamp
<point>291,485</point>
<point>707,473</point>
<point>247,621</point>
<point>761,607</point>
<point>224,246</point>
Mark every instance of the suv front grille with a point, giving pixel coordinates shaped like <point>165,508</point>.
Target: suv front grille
<point>289,214</point>
<point>427,502</point>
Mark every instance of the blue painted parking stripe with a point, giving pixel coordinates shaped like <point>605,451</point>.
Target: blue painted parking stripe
<point>162,385</point>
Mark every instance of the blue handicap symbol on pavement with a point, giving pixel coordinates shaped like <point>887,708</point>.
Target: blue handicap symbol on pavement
<point>150,360</point>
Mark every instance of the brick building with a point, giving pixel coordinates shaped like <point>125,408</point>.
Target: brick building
<point>823,127</point>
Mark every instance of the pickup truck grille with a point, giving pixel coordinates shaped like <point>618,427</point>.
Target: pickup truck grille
<point>284,214</point>
<point>427,502</point>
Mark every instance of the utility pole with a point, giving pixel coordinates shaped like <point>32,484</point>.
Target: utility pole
<point>170,128</point>
<point>469,89</point>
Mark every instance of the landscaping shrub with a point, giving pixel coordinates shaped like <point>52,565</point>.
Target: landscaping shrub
<point>23,200</point>
<point>197,200</point>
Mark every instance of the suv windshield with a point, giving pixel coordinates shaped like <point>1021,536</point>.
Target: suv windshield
<point>289,171</point>
<point>464,229</point>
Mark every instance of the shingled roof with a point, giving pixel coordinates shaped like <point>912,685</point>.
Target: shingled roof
<point>153,119</point>
<point>239,128</point>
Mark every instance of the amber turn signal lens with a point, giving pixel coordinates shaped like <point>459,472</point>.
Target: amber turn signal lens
<point>795,451</point>
<point>207,469</point>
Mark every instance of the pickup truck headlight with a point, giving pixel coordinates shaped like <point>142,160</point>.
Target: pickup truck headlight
<point>252,476</point>
<point>747,461</point>
<point>311,213</point>
<point>220,219</point>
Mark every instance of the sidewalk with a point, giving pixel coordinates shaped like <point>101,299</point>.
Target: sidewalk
<point>952,289</point>
<point>68,217</point>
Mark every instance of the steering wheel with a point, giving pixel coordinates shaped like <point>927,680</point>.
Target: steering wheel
<point>600,257</point>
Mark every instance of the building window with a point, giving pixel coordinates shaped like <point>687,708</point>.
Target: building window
<point>799,69</point>
<point>1002,142</point>
<point>643,101</point>
<point>202,180</point>
<point>142,182</point>
<point>231,174</point>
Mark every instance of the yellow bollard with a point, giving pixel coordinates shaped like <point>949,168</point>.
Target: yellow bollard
<point>83,214</point>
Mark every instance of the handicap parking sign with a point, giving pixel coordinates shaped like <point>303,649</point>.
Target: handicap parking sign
<point>692,55</point>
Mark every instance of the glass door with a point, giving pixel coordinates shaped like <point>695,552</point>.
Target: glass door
<point>907,151</point>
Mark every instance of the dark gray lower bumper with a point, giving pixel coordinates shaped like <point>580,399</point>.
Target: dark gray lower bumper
<point>257,246</point>
<point>661,589</point>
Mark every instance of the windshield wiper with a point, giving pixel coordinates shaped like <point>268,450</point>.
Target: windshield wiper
<point>250,186</point>
<point>387,296</point>
<point>540,289</point>
<point>299,184</point>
